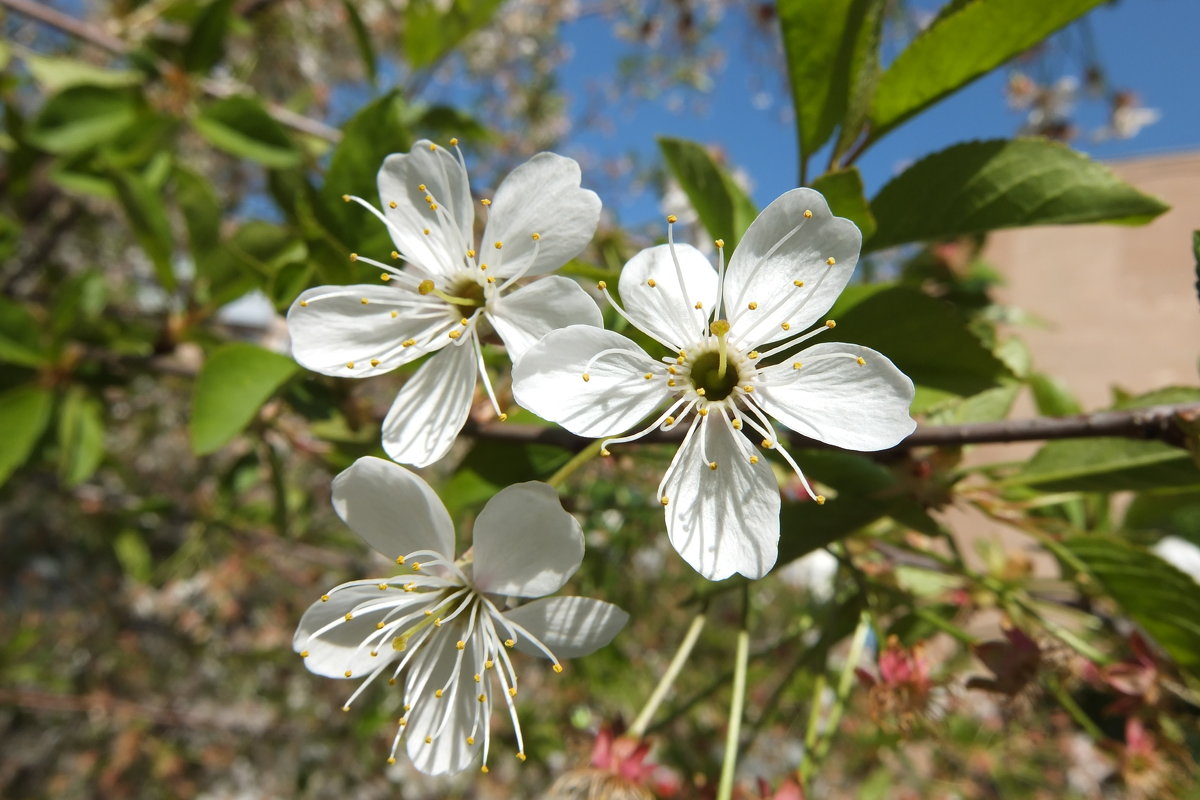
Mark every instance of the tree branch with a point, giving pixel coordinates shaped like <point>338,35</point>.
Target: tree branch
<point>1152,423</point>
<point>106,41</point>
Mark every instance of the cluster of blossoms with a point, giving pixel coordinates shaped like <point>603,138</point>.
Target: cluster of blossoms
<point>734,362</point>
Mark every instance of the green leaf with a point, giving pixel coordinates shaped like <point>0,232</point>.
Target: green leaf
<point>240,126</point>
<point>1106,464</point>
<point>362,39</point>
<point>925,337</point>
<point>19,340</point>
<point>960,46</point>
<point>82,117</point>
<point>24,415</point>
<point>206,44</point>
<point>1156,595</point>
<point>201,212</point>
<point>148,218</point>
<point>80,436</point>
<point>1153,515</point>
<point>55,73</point>
<point>131,551</point>
<point>1052,397</point>
<point>431,32</point>
<point>232,385</point>
<point>843,190</point>
<point>724,208</point>
<point>977,187</point>
<point>829,45</point>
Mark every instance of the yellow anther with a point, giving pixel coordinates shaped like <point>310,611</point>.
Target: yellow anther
<point>699,304</point>
<point>432,147</point>
<point>378,627</point>
<point>719,327</point>
<point>391,681</point>
<point>345,198</point>
<point>464,322</point>
<point>767,443</point>
<point>425,287</point>
<point>460,644</point>
<point>395,254</point>
<point>383,276</point>
<point>682,358</point>
<point>416,566</point>
<point>304,654</point>
<point>753,354</point>
<point>651,283</point>
<point>470,740</point>
<point>383,587</point>
<point>348,673</point>
<point>503,417</point>
<point>486,202</point>
<point>395,314</point>
<point>304,304</point>
<point>752,305</point>
<point>535,236</point>
<point>796,365</point>
<point>700,391</point>
<point>753,459</point>
<point>433,206</point>
<point>349,616</point>
<point>454,334</point>
<point>520,756</point>
<point>438,694</point>
<point>399,559</point>
<point>425,231</point>
<point>349,365</point>
<point>702,412</point>
<point>429,739</point>
<point>324,598</point>
<point>648,375</point>
<point>478,678</point>
<point>861,361</point>
<point>483,266</point>
<point>672,370</point>
<point>557,668</point>
<point>512,691</point>
<point>374,654</point>
<point>737,424</point>
<point>586,377</point>
<point>482,697</point>
<point>669,421</point>
<point>421,188</point>
<point>470,254</point>
<point>354,256</point>
<point>797,284</point>
<point>453,142</point>
<point>499,245</point>
<point>787,326</point>
<point>374,362</point>
<point>605,452</point>
<point>830,324</point>
<point>672,219</point>
<point>484,769</point>
<point>602,285</point>
<point>391,760</point>
<point>403,720</point>
<point>364,300</point>
<point>429,199</point>
<point>345,708</point>
<point>408,342</point>
<point>807,214</point>
<point>831,261</point>
<point>491,279</point>
<point>664,500</point>
<point>820,499</point>
<point>392,204</point>
<point>747,388</point>
<point>712,465</point>
<point>437,623</point>
<point>671,382</point>
<point>719,243</point>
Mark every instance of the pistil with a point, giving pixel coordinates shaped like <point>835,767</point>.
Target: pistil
<point>720,329</point>
<point>427,287</point>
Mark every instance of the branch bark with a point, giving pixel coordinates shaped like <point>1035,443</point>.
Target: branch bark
<point>1159,423</point>
<point>100,38</point>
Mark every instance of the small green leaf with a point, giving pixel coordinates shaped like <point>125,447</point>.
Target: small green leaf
<point>724,208</point>
<point>362,39</point>
<point>24,415</point>
<point>843,190</point>
<point>1156,595</point>
<point>432,29</point>
<point>960,46</point>
<point>977,187</point>
<point>201,212</point>
<point>240,126</point>
<point>232,385</point>
<point>130,549</point>
<point>925,337</point>
<point>148,218</point>
<point>55,73</point>
<point>19,340</point>
<point>82,117</point>
<point>80,436</point>
<point>206,44</point>
<point>1052,397</point>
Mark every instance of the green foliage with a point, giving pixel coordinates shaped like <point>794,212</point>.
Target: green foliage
<point>431,32</point>
<point>240,126</point>
<point>960,46</point>
<point>24,415</point>
<point>362,40</point>
<point>56,73</point>
<point>724,208</point>
<point>844,192</point>
<point>924,337</point>
<point>235,381</point>
<point>206,44</point>
<point>1158,596</point>
<point>81,117</point>
<point>80,436</point>
<point>1052,397</point>
<point>148,218</point>
<point>984,186</point>
<point>19,341</point>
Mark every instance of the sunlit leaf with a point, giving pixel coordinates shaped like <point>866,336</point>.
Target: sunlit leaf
<point>148,218</point>
<point>843,190</point>
<point>83,117</point>
<point>232,385</point>
<point>80,436</point>
<point>24,415</point>
<point>432,27</point>
<point>55,73</point>
<point>984,186</point>
<point>240,126</point>
<point>723,207</point>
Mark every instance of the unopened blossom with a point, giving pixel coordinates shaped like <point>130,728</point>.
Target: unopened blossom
<point>452,293</point>
<point>445,628</point>
<point>735,362</point>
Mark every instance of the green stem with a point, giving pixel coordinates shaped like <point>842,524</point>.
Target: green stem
<point>578,460</point>
<point>638,729</point>
<point>1081,718</point>
<point>278,490</point>
<point>816,743</point>
<point>725,787</point>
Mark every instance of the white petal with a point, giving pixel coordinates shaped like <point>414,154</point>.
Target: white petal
<point>339,649</point>
<point>526,315</point>
<point>1180,553</point>
<point>781,247</point>
<point>569,626</point>
<point>431,669</point>
<point>722,520</point>
<point>392,509</point>
<point>450,227</point>
<point>541,196</point>
<point>525,544</point>
<point>667,310</point>
<point>548,381</point>
<point>834,399</point>
<point>331,327</point>
<point>431,407</point>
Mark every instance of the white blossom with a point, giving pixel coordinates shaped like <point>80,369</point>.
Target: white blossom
<point>451,294</point>
<point>734,338</point>
<point>443,626</point>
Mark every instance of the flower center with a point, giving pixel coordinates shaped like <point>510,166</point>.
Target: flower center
<point>706,375</point>
<point>464,293</point>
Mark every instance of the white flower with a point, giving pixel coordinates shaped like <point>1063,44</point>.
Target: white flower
<point>539,220</point>
<point>1179,553</point>
<point>444,621</point>
<point>735,334</point>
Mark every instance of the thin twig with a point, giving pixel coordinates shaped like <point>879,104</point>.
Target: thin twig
<point>106,41</point>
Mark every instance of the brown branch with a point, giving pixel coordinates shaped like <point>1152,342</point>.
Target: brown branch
<point>106,41</point>
<point>1153,423</point>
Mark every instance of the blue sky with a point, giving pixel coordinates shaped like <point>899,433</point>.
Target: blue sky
<point>1144,45</point>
